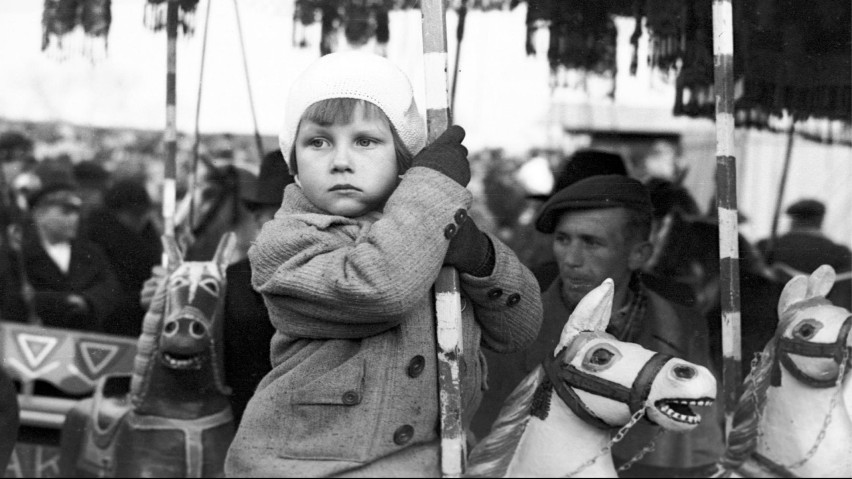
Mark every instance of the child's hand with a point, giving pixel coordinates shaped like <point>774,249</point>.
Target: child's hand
<point>447,155</point>
<point>471,251</point>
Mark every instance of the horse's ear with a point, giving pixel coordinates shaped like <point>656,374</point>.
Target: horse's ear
<point>821,281</point>
<point>796,290</point>
<point>172,250</point>
<point>591,314</point>
<point>225,250</point>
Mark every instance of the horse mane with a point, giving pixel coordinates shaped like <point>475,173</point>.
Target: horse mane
<point>146,347</point>
<point>742,441</point>
<point>492,456</point>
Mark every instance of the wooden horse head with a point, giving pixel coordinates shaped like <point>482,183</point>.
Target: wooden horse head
<point>792,416</point>
<point>602,384</point>
<point>179,366</point>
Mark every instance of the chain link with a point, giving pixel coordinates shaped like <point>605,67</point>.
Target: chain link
<point>645,450</point>
<point>635,418</point>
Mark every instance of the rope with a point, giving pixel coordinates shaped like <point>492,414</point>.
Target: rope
<point>193,178</point>
<point>257,138</point>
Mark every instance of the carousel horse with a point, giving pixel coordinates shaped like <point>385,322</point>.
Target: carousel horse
<point>172,417</point>
<point>687,251</point>
<point>600,384</point>
<point>793,420</point>
<point>8,418</point>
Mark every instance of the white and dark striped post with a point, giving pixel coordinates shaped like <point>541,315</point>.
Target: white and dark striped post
<point>170,137</point>
<point>726,191</point>
<point>447,297</point>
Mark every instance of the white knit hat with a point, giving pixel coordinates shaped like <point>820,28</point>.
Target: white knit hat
<point>359,75</point>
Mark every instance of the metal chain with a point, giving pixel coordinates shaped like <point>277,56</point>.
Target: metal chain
<point>647,449</point>
<point>826,422</point>
<point>635,418</point>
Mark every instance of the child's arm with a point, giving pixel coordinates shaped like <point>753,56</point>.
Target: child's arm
<point>507,302</point>
<point>331,277</point>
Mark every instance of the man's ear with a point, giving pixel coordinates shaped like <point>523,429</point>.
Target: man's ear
<point>640,253</point>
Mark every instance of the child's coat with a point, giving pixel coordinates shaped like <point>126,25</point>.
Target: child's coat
<point>366,402</point>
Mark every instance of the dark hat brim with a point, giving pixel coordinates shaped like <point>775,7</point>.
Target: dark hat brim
<point>596,192</point>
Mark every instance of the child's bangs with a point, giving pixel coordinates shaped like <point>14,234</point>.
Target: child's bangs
<point>340,111</point>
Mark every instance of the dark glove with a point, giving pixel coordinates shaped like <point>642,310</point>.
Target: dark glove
<point>471,251</point>
<point>447,155</point>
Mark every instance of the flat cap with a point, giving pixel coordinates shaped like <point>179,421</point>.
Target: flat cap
<point>592,193</point>
<point>273,178</point>
<point>807,208</point>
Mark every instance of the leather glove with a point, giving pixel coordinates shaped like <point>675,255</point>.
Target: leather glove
<point>471,251</point>
<point>447,155</point>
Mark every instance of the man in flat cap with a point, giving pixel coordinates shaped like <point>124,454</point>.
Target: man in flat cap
<point>600,229</point>
<point>804,248</point>
<point>75,287</point>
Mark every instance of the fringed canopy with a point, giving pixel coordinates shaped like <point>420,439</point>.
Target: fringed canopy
<point>155,15</point>
<point>62,17</point>
<point>793,58</point>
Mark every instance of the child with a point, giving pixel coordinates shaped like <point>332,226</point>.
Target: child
<point>346,269</point>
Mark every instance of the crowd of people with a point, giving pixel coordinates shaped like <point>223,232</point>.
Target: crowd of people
<point>328,316</point>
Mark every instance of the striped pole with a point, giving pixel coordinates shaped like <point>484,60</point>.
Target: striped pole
<point>447,297</point>
<point>170,173</point>
<point>726,189</point>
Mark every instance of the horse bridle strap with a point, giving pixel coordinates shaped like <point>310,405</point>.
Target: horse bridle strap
<point>566,378</point>
<point>800,347</point>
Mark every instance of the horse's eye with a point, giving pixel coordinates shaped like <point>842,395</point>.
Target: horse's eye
<point>211,286</point>
<point>601,357</point>
<point>805,330</point>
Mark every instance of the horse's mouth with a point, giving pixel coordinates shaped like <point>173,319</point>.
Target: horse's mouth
<point>180,361</point>
<point>680,410</point>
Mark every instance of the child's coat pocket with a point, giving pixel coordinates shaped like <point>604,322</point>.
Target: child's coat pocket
<point>329,419</point>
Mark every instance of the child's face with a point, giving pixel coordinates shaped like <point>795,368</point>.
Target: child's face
<point>347,169</point>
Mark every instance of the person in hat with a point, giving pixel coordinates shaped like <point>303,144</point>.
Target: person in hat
<point>124,229</point>
<point>600,228</point>
<point>75,286</point>
<point>248,330</point>
<point>346,269</point>
<point>804,248</point>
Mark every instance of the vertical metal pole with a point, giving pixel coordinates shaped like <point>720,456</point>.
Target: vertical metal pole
<point>193,176</point>
<point>459,38</point>
<point>170,172</point>
<point>257,140</point>
<point>773,237</point>
<point>726,189</point>
<point>447,297</point>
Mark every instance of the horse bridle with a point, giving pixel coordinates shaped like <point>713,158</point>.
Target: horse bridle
<point>787,346</point>
<point>565,378</point>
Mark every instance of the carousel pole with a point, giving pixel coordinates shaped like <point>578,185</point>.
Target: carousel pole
<point>726,189</point>
<point>773,237</point>
<point>447,297</point>
<point>170,173</point>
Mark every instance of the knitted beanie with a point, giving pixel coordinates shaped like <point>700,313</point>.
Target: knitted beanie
<point>359,75</point>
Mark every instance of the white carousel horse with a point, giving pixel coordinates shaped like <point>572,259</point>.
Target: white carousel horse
<point>602,385</point>
<point>793,418</point>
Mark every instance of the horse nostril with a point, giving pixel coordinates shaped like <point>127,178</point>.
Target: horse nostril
<point>197,329</point>
<point>684,372</point>
<point>170,328</point>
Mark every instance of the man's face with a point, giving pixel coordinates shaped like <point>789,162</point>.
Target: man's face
<point>591,246</point>
<point>57,222</point>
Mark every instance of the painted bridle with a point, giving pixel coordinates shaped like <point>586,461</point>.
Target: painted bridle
<point>565,378</point>
<point>837,351</point>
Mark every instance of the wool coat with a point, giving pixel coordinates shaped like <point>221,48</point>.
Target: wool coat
<point>354,389</point>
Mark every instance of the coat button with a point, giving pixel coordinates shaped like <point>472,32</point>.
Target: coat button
<point>495,293</point>
<point>416,366</point>
<point>450,231</point>
<point>460,216</point>
<point>513,299</point>
<point>403,435</point>
<point>351,398</point>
